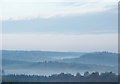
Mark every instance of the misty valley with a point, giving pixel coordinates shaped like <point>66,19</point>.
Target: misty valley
<point>46,63</point>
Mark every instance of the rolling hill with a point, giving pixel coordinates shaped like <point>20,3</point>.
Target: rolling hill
<point>99,58</point>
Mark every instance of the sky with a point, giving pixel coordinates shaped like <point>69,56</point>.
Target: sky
<point>59,25</point>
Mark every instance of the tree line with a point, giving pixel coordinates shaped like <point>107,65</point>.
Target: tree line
<point>63,77</point>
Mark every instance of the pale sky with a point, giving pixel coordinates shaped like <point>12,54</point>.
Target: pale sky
<point>26,9</point>
<point>59,25</point>
<point>73,43</point>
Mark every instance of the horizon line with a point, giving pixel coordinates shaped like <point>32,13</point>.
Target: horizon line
<point>58,51</point>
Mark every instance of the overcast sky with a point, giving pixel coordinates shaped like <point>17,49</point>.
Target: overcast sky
<point>60,25</point>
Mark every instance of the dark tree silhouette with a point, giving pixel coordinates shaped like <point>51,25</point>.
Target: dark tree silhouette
<point>62,77</point>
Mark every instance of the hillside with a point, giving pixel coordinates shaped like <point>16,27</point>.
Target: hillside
<point>100,58</point>
<point>47,63</point>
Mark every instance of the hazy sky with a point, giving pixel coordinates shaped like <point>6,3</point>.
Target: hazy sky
<point>60,25</point>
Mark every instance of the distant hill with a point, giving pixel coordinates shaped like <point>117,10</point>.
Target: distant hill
<point>99,58</point>
<point>38,55</point>
<point>47,63</point>
<point>71,66</point>
<point>48,68</point>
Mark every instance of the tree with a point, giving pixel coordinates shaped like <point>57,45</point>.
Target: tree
<point>78,74</point>
<point>86,74</point>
